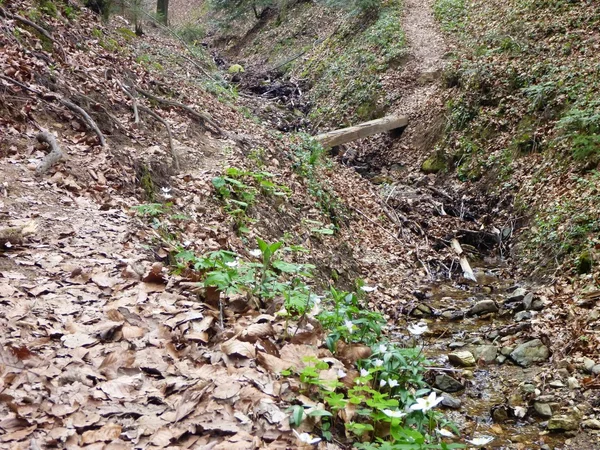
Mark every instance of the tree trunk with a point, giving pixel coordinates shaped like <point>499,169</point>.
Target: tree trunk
<point>162,8</point>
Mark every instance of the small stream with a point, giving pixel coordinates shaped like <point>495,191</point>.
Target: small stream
<point>497,396</point>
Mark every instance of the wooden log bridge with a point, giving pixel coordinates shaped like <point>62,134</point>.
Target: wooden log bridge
<point>345,135</point>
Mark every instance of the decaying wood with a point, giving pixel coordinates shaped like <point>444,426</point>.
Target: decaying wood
<point>205,118</point>
<point>14,235</point>
<point>161,120</point>
<point>134,103</point>
<point>464,263</point>
<point>345,135</point>
<point>51,158</point>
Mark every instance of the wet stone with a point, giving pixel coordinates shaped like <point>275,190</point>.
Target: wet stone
<point>573,383</point>
<point>485,353</point>
<point>451,402</point>
<point>530,353</point>
<point>499,414</point>
<point>538,304</point>
<point>500,359</point>
<point>462,358</point>
<point>483,307</point>
<point>527,301</point>
<point>506,350</point>
<point>563,423</point>
<point>448,384</point>
<point>543,409</point>
<point>516,296</point>
<point>593,424</point>
<point>455,345</point>
<point>522,315</point>
<point>596,369</point>
<point>556,384</point>
<point>421,310</point>
<point>453,315</point>
<point>588,364</point>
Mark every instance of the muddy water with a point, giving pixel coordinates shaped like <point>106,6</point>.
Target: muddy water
<point>491,390</point>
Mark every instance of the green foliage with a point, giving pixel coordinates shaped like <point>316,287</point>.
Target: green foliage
<point>235,9</point>
<point>581,126</point>
<point>223,90</point>
<point>239,190</point>
<point>47,7</point>
<point>309,159</point>
<point>191,33</point>
<point>452,14</point>
<point>354,6</point>
<point>150,209</point>
<point>347,69</point>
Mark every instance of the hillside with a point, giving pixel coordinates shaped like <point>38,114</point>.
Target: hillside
<point>183,266</point>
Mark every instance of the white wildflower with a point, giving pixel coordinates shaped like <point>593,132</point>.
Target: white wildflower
<point>427,403</point>
<point>348,324</point>
<point>364,372</point>
<point>418,329</point>
<point>232,263</point>
<point>307,438</point>
<point>378,363</point>
<point>165,192</point>
<point>341,373</point>
<point>256,253</point>
<point>444,432</point>
<point>382,348</point>
<point>393,383</point>
<point>480,441</point>
<point>394,414</point>
<point>368,288</point>
<point>382,383</point>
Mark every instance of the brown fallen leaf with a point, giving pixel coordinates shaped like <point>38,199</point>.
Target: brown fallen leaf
<point>235,347</point>
<point>77,340</point>
<point>227,390</point>
<point>108,432</point>
<point>257,331</point>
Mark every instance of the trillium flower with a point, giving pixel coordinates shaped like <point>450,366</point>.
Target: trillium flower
<point>427,403</point>
<point>364,372</point>
<point>393,383</point>
<point>382,383</point>
<point>444,432</point>
<point>348,324</point>
<point>256,253</point>
<point>382,348</point>
<point>480,441</point>
<point>368,288</point>
<point>307,438</point>
<point>418,329</point>
<point>341,373</point>
<point>165,192</point>
<point>378,363</point>
<point>394,414</point>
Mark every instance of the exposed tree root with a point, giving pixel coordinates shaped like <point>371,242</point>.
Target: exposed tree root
<point>90,122</point>
<point>205,118</point>
<point>51,158</point>
<point>161,120</point>
<point>29,23</point>
<point>72,106</point>
<point>134,103</point>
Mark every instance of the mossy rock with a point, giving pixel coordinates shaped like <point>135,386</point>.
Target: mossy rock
<point>584,263</point>
<point>236,68</point>
<point>434,164</point>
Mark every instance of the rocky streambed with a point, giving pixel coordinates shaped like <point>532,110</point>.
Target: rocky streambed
<point>497,374</point>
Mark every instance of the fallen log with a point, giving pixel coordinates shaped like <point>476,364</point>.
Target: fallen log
<point>345,135</point>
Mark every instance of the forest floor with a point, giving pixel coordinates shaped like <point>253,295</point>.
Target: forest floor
<point>108,338</point>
